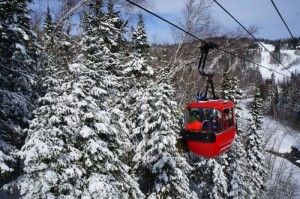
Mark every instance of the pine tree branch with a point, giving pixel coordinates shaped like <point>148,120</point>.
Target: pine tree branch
<point>16,71</point>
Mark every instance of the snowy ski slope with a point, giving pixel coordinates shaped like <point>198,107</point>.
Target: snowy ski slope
<point>289,58</point>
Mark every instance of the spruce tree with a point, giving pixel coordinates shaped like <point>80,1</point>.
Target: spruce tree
<point>119,25</point>
<point>100,54</point>
<point>137,74</point>
<point>71,151</point>
<point>162,169</point>
<point>58,52</point>
<point>209,177</point>
<point>139,70</point>
<point>116,44</point>
<point>48,25</point>
<point>138,65</point>
<point>107,52</point>
<point>289,99</point>
<point>226,87</point>
<point>17,68</point>
<point>272,96</point>
<point>235,172</point>
<point>285,102</point>
<point>296,96</point>
<point>254,148</point>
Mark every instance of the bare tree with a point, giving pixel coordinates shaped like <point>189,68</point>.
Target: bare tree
<point>196,18</point>
<point>281,183</point>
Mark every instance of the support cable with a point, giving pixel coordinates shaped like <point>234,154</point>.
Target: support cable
<point>283,20</point>
<point>185,31</point>
<point>251,34</point>
<point>172,24</point>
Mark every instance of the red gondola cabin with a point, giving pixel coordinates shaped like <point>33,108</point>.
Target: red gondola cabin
<point>210,127</point>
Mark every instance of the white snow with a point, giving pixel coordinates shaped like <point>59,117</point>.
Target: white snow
<point>101,127</point>
<point>16,29</point>
<point>278,138</point>
<point>283,178</point>
<point>98,91</point>
<point>100,186</point>
<point>3,166</point>
<point>54,120</point>
<point>66,43</point>
<point>21,48</point>
<point>288,57</point>
<point>77,68</point>
<point>51,176</point>
<point>86,131</point>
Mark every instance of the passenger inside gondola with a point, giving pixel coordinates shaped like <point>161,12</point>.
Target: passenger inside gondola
<point>227,118</point>
<point>193,121</point>
<point>206,120</point>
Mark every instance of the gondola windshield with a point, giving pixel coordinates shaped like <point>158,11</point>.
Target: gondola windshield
<point>207,120</point>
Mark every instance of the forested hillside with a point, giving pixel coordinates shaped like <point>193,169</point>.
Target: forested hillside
<point>90,109</point>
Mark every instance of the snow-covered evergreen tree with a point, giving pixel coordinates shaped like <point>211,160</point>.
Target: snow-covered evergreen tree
<point>110,56</point>
<point>236,171</point>
<point>226,88</point>
<point>139,71</point>
<point>230,88</point>
<point>254,148</point>
<point>295,96</point>
<point>57,52</point>
<point>48,25</point>
<point>114,18</point>
<point>137,75</point>
<point>289,104</point>
<point>256,110</point>
<point>138,66</point>
<point>115,43</point>
<point>162,169</point>
<point>209,177</point>
<point>71,151</point>
<point>272,96</point>
<point>17,64</point>
<point>284,100</point>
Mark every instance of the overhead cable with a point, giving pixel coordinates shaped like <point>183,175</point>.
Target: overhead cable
<point>283,20</point>
<point>145,9</point>
<point>185,31</point>
<point>251,34</point>
<point>242,58</point>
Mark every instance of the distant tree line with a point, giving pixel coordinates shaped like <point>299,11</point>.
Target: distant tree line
<point>286,44</point>
<point>284,104</point>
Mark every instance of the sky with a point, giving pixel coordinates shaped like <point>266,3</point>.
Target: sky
<point>247,12</point>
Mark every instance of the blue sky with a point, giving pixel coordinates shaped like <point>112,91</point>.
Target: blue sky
<point>248,12</point>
